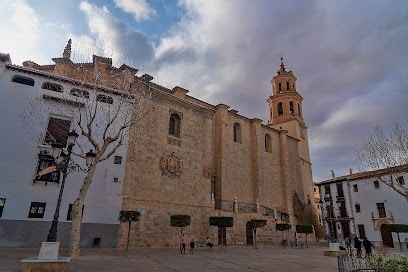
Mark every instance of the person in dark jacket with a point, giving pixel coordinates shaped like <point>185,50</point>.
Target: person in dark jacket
<point>192,246</point>
<point>367,246</point>
<point>357,245</point>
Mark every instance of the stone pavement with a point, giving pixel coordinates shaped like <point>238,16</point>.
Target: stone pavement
<point>225,259</point>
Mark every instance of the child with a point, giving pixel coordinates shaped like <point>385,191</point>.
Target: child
<point>192,246</point>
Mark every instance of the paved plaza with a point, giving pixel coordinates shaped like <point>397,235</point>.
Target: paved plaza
<point>226,259</point>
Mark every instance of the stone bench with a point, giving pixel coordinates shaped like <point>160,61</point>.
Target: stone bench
<point>200,244</point>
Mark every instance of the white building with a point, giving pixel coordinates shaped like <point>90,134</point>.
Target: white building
<point>363,205</point>
<point>27,202</point>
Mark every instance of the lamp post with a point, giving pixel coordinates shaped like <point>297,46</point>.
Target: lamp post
<point>65,165</point>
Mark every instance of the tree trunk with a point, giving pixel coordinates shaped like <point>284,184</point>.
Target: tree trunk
<point>128,238</point>
<point>307,246</point>
<point>75,235</point>
<point>399,241</point>
<point>256,247</point>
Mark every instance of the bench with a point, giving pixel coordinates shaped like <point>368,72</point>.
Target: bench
<point>200,244</point>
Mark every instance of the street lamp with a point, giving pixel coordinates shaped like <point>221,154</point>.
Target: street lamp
<point>64,164</point>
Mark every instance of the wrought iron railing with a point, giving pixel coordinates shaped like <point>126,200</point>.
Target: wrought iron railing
<point>351,263</point>
<point>244,207</point>
<point>224,205</point>
<point>381,214</point>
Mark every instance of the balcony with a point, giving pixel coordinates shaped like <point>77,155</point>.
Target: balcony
<point>381,217</point>
<point>381,214</point>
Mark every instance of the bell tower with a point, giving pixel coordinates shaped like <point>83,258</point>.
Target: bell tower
<point>285,106</point>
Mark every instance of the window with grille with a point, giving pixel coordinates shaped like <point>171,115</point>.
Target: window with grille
<point>79,93</point>
<point>37,210</point>
<point>376,184</point>
<point>358,208</point>
<point>117,160</point>
<point>44,161</point>
<point>104,99</point>
<point>57,131</point>
<point>52,87</point>
<point>23,80</point>
<point>355,188</point>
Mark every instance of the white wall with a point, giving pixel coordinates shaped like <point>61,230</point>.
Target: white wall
<point>19,157</point>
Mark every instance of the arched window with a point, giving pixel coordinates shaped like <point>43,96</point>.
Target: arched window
<point>174,125</point>
<point>287,85</point>
<point>23,80</point>
<point>104,99</point>
<point>280,87</point>
<point>79,93</point>
<point>280,108</point>
<point>237,133</point>
<point>291,108</point>
<point>268,143</point>
<point>52,87</point>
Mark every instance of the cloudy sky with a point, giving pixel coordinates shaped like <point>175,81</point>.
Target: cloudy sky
<point>350,57</point>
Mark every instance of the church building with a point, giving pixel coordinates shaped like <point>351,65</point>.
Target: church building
<point>189,157</point>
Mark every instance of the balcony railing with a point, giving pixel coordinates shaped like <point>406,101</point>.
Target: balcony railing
<point>224,205</point>
<point>381,214</point>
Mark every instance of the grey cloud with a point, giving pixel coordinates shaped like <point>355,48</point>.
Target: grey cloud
<point>349,57</point>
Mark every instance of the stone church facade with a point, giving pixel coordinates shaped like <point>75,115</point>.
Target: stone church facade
<point>192,158</point>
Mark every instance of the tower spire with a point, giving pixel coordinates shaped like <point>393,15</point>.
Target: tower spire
<point>67,50</point>
<point>282,68</point>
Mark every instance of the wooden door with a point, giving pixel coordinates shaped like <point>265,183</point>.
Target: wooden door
<point>222,236</point>
<point>386,236</point>
<point>249,235</point>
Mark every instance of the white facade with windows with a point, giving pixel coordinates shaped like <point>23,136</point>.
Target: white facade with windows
<point>27,201</point>
<point>362,205</point>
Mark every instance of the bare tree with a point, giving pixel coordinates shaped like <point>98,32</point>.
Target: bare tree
<point>385,156</point>
<point>101,116</point>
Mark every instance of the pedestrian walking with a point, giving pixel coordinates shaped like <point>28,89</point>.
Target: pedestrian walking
<point>348,246</point>
<point>357,245</point>
<point>368,246</point>
<point>183,241</point>
<point>192,246</point>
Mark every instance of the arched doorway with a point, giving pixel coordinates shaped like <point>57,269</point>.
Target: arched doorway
<point>386,236</point>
